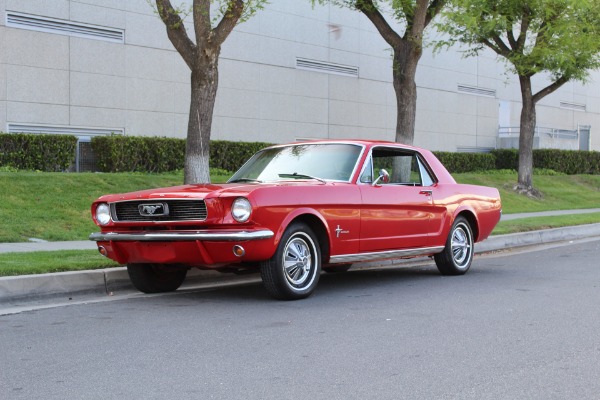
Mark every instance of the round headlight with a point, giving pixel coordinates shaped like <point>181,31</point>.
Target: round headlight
<point>241,209</point>
<point>103,214</point>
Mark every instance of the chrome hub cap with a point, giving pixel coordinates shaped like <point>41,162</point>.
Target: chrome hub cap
<point>461,247</point>
<point>297,261</point>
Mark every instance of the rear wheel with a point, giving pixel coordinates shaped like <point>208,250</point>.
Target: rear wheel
<point>293,271</point>
<point>458,254</point>
<point>156,278</point>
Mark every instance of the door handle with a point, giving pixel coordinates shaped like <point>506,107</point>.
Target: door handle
<point>426,192</point>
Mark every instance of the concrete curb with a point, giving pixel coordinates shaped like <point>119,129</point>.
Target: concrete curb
<point>501,242</point>
<point>110,280</point>
<point>100,281</point>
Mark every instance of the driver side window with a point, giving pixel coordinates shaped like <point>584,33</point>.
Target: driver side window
<point>404,167</point>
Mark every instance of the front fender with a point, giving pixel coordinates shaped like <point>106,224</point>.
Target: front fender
<point>298,212</point>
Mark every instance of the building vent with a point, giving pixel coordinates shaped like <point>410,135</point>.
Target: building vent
<point>467,149</point>
<point>478,91</point>
<point>65,130</point>
<point>63,27</point>
<point>572,106</point>
<point>327,67</point>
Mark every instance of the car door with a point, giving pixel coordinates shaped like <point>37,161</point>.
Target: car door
<point>396,214</point>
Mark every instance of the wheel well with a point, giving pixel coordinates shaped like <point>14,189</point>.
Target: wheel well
<point>470,217</point>
<point>319,229</point>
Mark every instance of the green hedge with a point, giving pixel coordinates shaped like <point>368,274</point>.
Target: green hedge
<point>48,153</point>
<point>569,162</point>
<point>154,154</point>
<point>232,155</point>
<point>506,158</point>
<point>118,153</point>
<point>466,162</point>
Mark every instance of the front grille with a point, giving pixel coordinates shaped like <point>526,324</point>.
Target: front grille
<point>179,210</point>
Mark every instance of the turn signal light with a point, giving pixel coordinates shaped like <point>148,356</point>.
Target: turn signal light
<point>239,251</point>
<point>103,251</point>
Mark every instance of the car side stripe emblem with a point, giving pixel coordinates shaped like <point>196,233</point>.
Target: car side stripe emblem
<point>339,230</point>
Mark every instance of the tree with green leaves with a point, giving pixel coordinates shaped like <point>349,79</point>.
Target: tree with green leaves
<point>202,57</point>
<point>407,48</point>
<point>557,38</point>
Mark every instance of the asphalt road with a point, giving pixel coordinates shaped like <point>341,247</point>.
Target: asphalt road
<point>517,326</point>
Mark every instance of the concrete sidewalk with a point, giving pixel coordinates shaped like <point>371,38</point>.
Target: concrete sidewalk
<point>22,288</point>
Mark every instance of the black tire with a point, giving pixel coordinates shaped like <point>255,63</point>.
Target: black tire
<point>293,271</point>
<point>156,278</point>
<point>458,253</point>
<point>337,268</point>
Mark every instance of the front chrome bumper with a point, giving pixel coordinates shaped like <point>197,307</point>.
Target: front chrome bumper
<point>178,236</point>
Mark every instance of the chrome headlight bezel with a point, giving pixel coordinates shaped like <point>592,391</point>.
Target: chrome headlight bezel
<point>241,209</point>
<point>103,214</point>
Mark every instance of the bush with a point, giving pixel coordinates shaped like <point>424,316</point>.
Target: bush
<point>232,155</point>
<point>118,153</point>
<point>570,162</point>
<point>48,153</point>
<point>466,162</point>
<point>506,158</point>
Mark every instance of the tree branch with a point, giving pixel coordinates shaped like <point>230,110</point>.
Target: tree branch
<point>511,38</point>
<point>504,49</point>
<point>229,20</point>
<point>433,10</point>
<point>202,24</point>
<point>176,31</point>
<point>520,44</point>
<point>492,46</point>
<point>370,11</point>
<point>550,88</point>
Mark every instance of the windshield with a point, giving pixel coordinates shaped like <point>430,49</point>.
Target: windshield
<point>304,161</point>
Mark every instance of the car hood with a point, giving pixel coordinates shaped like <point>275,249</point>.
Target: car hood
<point>204,191</point>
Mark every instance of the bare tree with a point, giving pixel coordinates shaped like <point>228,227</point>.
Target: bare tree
<point>407,49</point>
<point>202,57</point>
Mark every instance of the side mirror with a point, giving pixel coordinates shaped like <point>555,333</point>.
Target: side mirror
<point>383,177</point>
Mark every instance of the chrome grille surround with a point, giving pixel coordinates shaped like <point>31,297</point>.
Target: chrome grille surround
<point>178,210</point>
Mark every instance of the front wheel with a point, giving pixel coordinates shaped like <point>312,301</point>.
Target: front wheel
<point>293,271</point>
<point>156,278</point>
<point>457,256</point>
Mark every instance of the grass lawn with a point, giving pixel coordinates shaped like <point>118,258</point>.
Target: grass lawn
<point>40,262</point>
<point>56,206</point>
<point>537,223</point>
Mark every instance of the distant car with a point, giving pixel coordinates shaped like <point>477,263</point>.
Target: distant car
<point>295,210</point>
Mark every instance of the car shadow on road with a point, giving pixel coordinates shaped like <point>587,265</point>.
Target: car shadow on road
<point>336,284</point>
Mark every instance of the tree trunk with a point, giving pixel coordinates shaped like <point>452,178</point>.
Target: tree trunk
<point>204,82</point>
<point>406,58</point>
<point>526,136</point>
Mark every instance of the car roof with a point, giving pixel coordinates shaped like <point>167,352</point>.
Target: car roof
<point>364,142</point>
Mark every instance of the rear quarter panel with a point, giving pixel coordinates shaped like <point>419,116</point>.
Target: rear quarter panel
<point>482,202</point>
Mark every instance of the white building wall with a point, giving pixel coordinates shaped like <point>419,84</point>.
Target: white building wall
<point>141,86</point>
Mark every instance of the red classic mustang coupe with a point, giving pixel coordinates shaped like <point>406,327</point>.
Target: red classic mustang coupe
<point>294,210</point>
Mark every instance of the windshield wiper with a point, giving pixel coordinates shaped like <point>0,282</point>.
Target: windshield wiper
<point>296,175</point>
<point>244,180</point>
